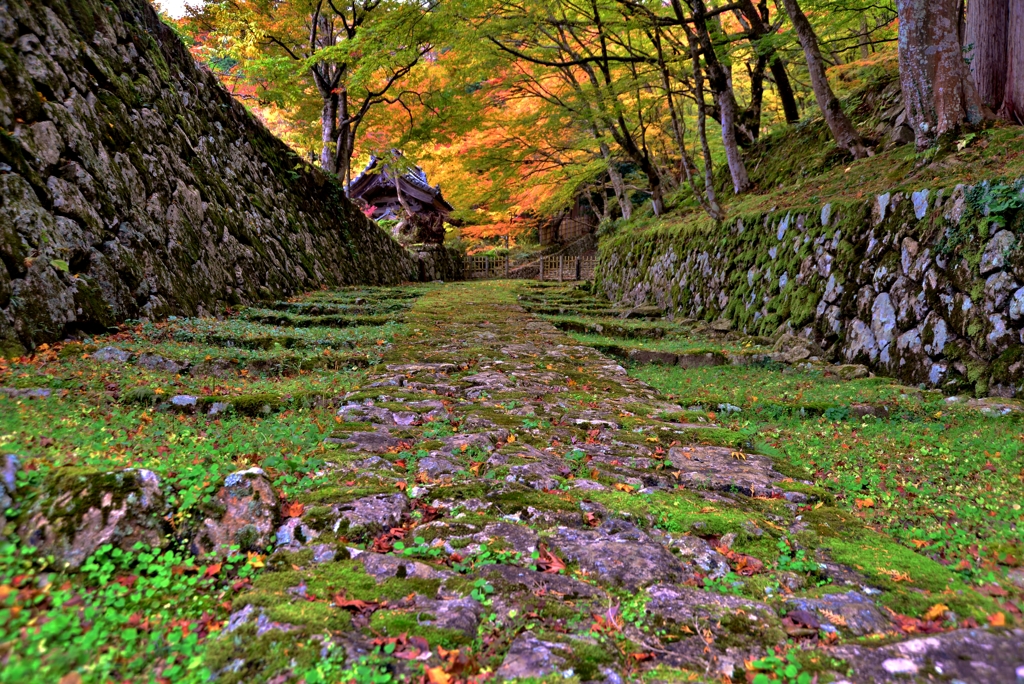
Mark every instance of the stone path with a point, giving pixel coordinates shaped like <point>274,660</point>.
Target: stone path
<point>497,501</point>
<point>538,479</point>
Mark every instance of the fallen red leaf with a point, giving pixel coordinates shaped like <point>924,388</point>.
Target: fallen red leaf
<point>355,605</point>
<point>548,562</point>
<point>741,563</point>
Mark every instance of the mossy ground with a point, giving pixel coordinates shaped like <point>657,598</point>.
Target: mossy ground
<point>941,477</point>
<point>910,504</point>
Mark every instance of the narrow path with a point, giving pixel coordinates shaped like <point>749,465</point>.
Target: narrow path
<point>563,521</point>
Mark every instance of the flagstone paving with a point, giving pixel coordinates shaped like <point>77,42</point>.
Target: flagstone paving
<point>480,497</point>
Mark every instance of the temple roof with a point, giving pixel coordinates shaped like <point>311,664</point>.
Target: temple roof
<point>376,186</point>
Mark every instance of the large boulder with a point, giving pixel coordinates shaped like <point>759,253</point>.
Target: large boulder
<point>243,514</point>
<point>791,348</point>
<point>80,510</point>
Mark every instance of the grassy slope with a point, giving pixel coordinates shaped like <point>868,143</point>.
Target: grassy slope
<point>800,165</point>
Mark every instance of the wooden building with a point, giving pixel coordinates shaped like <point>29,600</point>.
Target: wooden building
<point>385,194</point>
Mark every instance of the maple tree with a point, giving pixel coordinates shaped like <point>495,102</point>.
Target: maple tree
<point>521,109</point>
<point>352,55</point>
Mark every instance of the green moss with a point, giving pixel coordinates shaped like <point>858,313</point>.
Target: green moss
<point>395,622</point>
<point>256,405</point>
<point>872,554</point>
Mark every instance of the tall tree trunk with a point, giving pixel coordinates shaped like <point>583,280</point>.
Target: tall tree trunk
<point>750,120</point>
<point>985,48</point>
<point>345,142</point>
<point>618,186</point>
<point>709,205</point>
<point>702,130</point>
<point>863,37</point>
<point>938,91</point>
<point>721,87</point>
<point>329,131</point>
<point>842,128</point>
<point>737,169</point>
<point>1013,98</point>
<point>785,90</point>
<point>758,29</point>
<point>654,183</point>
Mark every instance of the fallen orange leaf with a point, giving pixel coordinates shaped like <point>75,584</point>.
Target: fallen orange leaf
<point>997,619</point>
<point>936,611</point>
<point>437,675</point>
<point>293,509</point>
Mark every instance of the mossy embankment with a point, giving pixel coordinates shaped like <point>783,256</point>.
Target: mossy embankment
<point>911,263</point>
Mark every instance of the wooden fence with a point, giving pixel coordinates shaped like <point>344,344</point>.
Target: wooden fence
<point>556,267</point>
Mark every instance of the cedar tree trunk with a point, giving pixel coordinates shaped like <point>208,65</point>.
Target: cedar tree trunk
<point>938,91</point>
<point>985,48</point>
<point>1013,99</point>
<point>842,128</point>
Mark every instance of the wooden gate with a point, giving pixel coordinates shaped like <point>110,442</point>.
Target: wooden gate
<point>557,267</point>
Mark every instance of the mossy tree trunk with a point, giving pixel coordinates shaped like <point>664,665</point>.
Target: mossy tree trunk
<point>845,134</point>
<point>938,90</point>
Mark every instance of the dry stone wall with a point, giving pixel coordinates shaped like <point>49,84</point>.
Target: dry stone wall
<point>924,286</point>
<point>133,185</point>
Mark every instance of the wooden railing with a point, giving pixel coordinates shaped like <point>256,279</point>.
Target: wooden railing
<point>555,267</point>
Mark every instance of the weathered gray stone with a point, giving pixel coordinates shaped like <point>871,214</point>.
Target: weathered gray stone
<point>994,256</point>
<point>998,287</point>
<point>461,614</point>
<point>373,514</point>
<point>9,465</point>
<point>791,348</point>
<point>78,512</point>
<point>697,551</point>
<point>382,567</point>
<point>852,371</point>
<point>724,469</point>
<point>1017,305</point>
<point>244,514</point>
<point>156,362</point>
<point>685,606</point>
<point>858,614</point>
<point>529,657</point>
<point>183,403</point>
<point>435,467</point>
<point>379,442</point>
<point>619,554</point>
<point>972,656</point>
<point>883,325</point>
<point>112,355</point>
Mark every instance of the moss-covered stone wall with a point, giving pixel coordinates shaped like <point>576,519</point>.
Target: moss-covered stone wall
<point>133,185</point>
<point>924,286</point>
